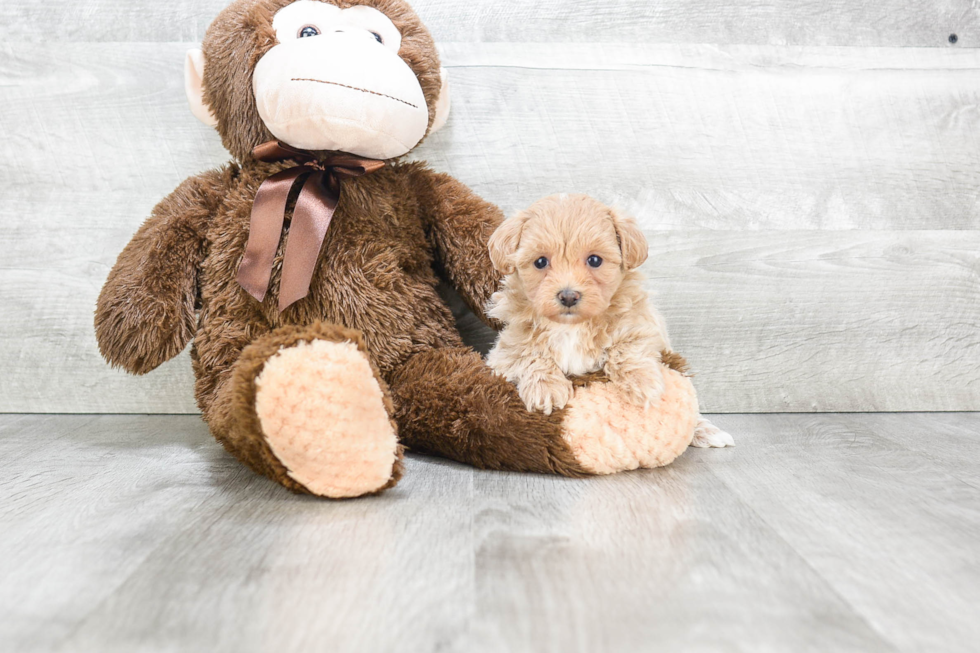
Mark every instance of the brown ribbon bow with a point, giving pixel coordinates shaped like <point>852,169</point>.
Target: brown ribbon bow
<point>314,209</point>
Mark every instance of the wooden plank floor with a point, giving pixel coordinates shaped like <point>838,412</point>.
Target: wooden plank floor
<point>829,532</point>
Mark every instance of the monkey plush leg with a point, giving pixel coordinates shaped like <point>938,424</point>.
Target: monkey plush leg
<point>448,402</point>
<point>609,433</point>
<point>306,407</point>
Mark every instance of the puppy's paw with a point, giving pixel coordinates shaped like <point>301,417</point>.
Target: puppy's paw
<point>546,394</point>
<point>708,435</point>
<point>642,386</point>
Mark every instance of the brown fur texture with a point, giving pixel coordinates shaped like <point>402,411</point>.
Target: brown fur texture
<point>374,284</point>
<point>479,409</point>
<point>675,361</point>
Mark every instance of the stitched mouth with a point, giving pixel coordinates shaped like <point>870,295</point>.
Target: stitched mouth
<point>354,88</point>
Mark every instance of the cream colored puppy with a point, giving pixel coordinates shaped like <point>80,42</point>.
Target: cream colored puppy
<point>573,302</point>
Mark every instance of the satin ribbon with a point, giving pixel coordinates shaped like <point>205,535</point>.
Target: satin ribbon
<point>314,210</point>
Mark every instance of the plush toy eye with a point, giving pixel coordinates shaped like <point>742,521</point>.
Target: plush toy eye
<point>594,261</point>
<point>377,37</point>
<point>541,263</point>
<point>308,30</point>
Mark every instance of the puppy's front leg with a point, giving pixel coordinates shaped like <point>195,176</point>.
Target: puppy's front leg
<point>544,388</point>
<point>640,376</point>
<point>540,383</point>
<point>634,358</point>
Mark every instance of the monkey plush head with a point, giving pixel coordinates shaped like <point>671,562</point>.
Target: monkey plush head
<point>359,77</point>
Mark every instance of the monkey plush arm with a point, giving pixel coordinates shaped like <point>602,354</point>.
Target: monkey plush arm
<point>459,224</point>
<point>145,312</point>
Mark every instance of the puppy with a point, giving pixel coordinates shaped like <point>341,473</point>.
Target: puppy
<point>573,303</point>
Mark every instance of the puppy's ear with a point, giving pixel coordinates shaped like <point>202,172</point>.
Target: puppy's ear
<point>632,242</point>
<point>504,242</point>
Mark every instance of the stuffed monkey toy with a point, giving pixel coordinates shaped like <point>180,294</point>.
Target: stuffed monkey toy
<point>304,271</point>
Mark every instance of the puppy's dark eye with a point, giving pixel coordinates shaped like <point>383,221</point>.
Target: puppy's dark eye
<point>541,263</point>
<point>308,30</point>
<point>594,261</point>
<point>377,37</point>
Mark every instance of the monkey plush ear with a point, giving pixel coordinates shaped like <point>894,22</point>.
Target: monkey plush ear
<point>194,87</point>
<point>442,104</point>
<point>504,242</point>
<point>632,242</point>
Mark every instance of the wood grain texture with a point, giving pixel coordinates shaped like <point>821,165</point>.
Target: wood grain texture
<point>824,321</point>
<point>815,533</point>
<point>737,138</point>
<point>814,212</point>
<point>793,22</point>
<point>948,441</point>
<point>870,515</point>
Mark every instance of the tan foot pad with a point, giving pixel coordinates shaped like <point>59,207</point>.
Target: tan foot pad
<point>607,434</point>
<point>323,415</point>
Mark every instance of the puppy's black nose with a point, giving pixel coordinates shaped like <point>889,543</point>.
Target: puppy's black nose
<point>569,298</point>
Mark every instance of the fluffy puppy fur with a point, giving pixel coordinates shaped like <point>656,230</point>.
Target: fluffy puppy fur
<point>573,303</point>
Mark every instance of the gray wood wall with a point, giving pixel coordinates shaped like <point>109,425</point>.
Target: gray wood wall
<point>808,173</point>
